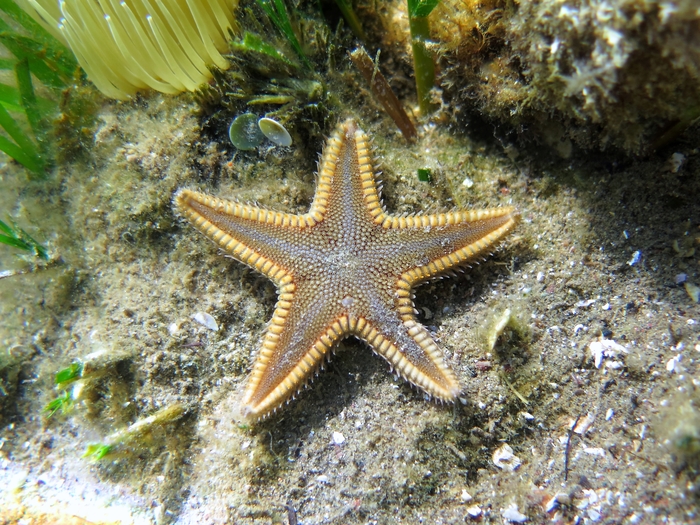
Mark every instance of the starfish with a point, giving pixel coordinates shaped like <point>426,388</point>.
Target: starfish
<point>345,268</point>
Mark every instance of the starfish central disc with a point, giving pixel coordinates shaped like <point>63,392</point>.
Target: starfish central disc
<point>345,268</point>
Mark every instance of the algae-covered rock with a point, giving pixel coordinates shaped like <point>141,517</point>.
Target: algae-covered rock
<point>599,73</point>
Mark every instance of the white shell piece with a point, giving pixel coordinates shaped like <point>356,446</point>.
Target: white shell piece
<point>474,511</point>
<point>605,348</point>
<point>504,458</point>
<point>513,515</point>
<point>275,131</point>
<point>206,320</point>
<point>584,424</point>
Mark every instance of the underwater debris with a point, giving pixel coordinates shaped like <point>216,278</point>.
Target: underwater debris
<point>504,458</point>
<point>497,328</point>
<point>605,348</point>
<point>63,403</point>
<point>137,45</point>
<point>424,175</point>
<point>348,12</point>
<point>72,373</point>
<point>582,424</point>
<point>18,238</point>
<point>135,433</point>
<point>676,162</point>
<point>79,380</point>
<point>513,515</point>
<point>275,132</point>
<point>206,320</point>
<point>693,291</point>
<point>244,132</point>
<point>511,321</point>
<point>382,90</point>
<point>636,257</point>
<point>674,364</point>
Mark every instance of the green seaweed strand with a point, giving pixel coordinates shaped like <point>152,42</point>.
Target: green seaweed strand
<point>277,12</point>
<point>423,64</point>
<point>348,12</point>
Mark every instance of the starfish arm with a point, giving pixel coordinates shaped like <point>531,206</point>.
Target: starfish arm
<point>303,330</point>
<point>449,240</point>
<point>271,385</point>
<point>254,236</point>
<point>413,354</point>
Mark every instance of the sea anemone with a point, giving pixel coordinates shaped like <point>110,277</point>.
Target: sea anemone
<point>125,46</point>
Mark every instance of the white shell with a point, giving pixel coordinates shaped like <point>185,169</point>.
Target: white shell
<point>275,131</point>
<point>206,320</point>
<point>513,515</point>
<point>504,458</point>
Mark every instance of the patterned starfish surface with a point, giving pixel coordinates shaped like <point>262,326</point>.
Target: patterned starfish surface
<point>345,268</point>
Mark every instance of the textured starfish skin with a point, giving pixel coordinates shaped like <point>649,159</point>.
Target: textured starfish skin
<point>345,268</point>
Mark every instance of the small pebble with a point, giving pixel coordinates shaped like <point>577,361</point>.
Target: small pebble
<point>338,438</point>
<point>676,161</point>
